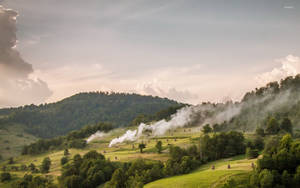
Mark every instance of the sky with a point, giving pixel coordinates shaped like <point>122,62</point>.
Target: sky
<point>188,50</point>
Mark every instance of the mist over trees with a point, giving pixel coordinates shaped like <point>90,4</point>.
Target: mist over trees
<point>270,107</point>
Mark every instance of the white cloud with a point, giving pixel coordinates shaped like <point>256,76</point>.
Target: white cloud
<point>290,66</point>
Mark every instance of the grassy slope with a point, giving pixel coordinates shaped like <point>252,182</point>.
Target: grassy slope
<point>121,152</point>
<point>205,177</point>
<point>12,139</point>
<point>125,152</point>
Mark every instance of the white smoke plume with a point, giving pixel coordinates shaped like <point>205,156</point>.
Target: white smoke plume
<point>128,136</point>
<point>182,117</point>
<point>16,86</point>
<point>98,134</point>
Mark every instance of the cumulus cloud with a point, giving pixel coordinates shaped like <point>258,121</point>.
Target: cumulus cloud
<point>156,88</point>
<point>16,86</point>
<point>290,66</point>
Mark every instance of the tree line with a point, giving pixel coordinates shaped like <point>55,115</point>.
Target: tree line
<point>74,139</point>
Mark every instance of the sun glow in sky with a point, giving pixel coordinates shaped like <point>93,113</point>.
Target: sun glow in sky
<point>190,51</point>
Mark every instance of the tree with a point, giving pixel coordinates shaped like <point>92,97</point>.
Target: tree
<point>260,131</point>
<point>5,176</point>
<point>142,146</point>
<point>118,179</point>
<point>11,160</point>
<point>297,177</point>
<point>46,165</point>
<point>251,153</point>
<point>31,167</point>
<point>286,178</point>
<point>272,126</point>
<point>216,127</point>
<point>63,160</point>
<point>206,129</point>
<point>158,146</point>
<point>66,152</point>
<point>286,125</point>
<point>286,142</point>
<point>73,181</point>
<point>266,179</point>
<point>258,143</point>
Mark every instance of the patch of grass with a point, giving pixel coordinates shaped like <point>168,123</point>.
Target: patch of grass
<point>206,177</point>
<point>12,140</point>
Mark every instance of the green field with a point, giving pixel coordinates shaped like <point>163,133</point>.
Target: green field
<point>206,177</point>
<point>120,152</point>
<point>129,151</point>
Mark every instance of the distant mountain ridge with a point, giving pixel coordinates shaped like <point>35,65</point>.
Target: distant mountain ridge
<point>72,113</point>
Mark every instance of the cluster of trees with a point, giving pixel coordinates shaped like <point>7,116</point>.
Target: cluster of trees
<point>275,126</point>
<point>29,181</point>
<point>43,168</point>
<point>254,146</point>
<point>5,176</point>
<point>279,167</point>
<point>214,128</point>
<point>74,139</point>
<point>88,171</point>
<point>135,174</point>
<point>55,119</point>
<point>221,145</point>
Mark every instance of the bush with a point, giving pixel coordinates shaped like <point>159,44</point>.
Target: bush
<point>158,146</point>
<point>46,165</point>
<point>251,153</point>
<point>260,131</point>
<point>206,129</point>
<point>63,160</point>
<point>5,176</point>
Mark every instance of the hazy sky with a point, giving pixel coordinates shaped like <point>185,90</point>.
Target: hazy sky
<point>188,50</point>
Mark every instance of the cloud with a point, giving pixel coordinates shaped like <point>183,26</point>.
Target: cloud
<point>16,86</point>
<point>156,88</point>
<point>290,66</point>
<point>288,7</point>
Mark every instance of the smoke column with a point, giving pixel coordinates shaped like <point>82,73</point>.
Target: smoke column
<point>98,134</point>
<point>182,117</point>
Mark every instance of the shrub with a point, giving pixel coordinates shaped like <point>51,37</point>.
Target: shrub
<point>5,176</point>
<point>251,153</point>
<point>63,160</point>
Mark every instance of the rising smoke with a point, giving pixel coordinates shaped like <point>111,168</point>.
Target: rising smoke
<point>192,114</point>
<point>97,135</point>
<point>16,86</point>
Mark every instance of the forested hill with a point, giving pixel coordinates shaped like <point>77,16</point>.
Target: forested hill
<point>276,100</point>
<point>49,120</point>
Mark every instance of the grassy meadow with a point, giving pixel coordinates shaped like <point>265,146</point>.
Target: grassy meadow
<point>205,177</point>
<point>128,151</point>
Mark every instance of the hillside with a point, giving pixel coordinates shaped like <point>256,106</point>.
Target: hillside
<point>205,176</point>
<point>277,100</point>
<point>49,120</point>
